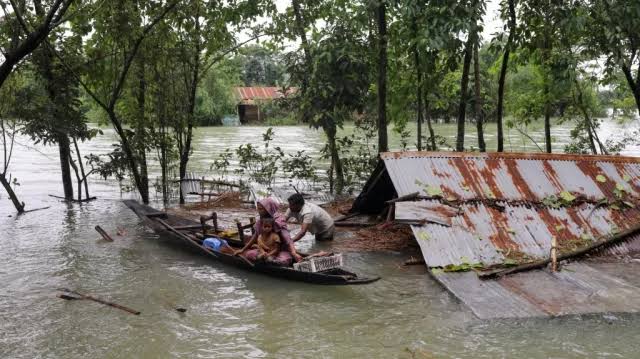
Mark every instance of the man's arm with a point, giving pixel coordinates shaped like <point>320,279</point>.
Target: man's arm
<point>287,215</point>
<point>303,230</point>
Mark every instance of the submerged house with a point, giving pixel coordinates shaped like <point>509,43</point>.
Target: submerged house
<point>483,210</point>
<point>251,101</point>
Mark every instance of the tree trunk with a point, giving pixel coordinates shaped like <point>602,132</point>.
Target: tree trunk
<point>140,133</point>
<point>416,57</point>
<point>478,100</point>
<point>633,85</point>
<point>547,111</point>
<point>547,121</point>
<point>383,145</point>
<point>330,130</point>
<point>82,172</point>
<point>164,164</point>
<point>301,32</point>
<point>44,63</point>
<point>12,195</point>
<point>141,182</point>
<point>76,171</point>
<point>503,72</point>
<point>587,119</point>
<point>464,83</point>
<point>142,162</point>
<point>186,150</point>
<point>501,81</point>
<point>432,134</point>
<point>144,178</point>
<point>65,157</point>
<point>547,80</point>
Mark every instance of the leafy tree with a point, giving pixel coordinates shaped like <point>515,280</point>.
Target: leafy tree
<point>215,98</point>
<point>338,87</point>
<point>614,32</point>
<point>546,35</point>
<point>61,120</point>
<point>23,37</point>
<point>11,94</point>
<point>118,33</point>
<point>24,27</point>
<point>260,66</point>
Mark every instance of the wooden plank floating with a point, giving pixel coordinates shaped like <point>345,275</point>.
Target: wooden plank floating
<point>104,234</point>
<point>95,299</point>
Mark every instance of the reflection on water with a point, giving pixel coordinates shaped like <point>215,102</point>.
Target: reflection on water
<point>231,313</point>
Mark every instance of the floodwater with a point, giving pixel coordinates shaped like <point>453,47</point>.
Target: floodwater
<point>231,313</point>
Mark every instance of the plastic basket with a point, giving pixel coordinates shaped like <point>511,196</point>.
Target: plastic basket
<point>319,264</point>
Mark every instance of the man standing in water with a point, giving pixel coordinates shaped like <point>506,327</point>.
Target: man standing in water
<point>311,217</point>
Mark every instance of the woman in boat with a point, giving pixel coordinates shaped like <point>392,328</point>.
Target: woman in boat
<point>268,208</point>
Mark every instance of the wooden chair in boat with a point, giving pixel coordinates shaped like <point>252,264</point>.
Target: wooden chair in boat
<point>203,222</point>
<point>241,228</point>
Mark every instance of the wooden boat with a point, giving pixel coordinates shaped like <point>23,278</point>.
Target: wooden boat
<point>184,232</point>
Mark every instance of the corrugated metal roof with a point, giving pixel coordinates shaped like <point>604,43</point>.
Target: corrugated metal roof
<point>248,95</point>
<point>503,201</point>
<point>580,288</point>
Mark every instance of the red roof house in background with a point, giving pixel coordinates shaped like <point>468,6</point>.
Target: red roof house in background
<point>250,99</point>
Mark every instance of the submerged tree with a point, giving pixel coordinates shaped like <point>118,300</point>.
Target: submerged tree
<point>61,120</point>
<point>24,26</point>
<point>113,46</point>
<point>9,94</point>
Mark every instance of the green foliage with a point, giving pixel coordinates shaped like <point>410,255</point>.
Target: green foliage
<point>260,66</point>
<point>338,88</point>
<point>463,267</point>
<point>215,98</point>
<point>358,153</point>
<point>563,199</point>
<point>267,165</point>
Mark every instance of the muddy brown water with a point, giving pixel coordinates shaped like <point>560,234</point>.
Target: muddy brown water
<point>232,313</point>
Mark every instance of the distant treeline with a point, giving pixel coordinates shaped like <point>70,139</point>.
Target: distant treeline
<point>155,69</point>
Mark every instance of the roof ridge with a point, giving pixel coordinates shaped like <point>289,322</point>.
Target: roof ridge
<point>511,155</point>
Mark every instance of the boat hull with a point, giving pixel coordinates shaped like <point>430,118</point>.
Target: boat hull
<point>153,219</point>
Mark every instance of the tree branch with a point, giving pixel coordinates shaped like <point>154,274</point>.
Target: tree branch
<point>21,21</point>
<point>4,145</point>
<point>234,48</point>
<point>129,59</point>
<point>529,137</point>
<point>32,40</point>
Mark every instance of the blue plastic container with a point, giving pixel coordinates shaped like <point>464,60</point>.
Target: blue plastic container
<point>214,243</point>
